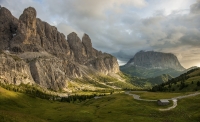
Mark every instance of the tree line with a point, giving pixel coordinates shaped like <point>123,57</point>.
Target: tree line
<point>35,91</point>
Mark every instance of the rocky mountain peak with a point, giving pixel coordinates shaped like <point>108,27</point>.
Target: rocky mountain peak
<point>73,38</point>
<point>155,60</point>
<point>45,56</point>
<point>5,12</point>
<point>85,36</point>
<point>88,45</point>
<point>29,17</point>
<point>77,47</point>
<point>8,27</point>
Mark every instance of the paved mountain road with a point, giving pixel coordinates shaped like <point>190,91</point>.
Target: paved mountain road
<point>174,99</point>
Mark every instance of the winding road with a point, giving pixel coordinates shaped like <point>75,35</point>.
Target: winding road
<point>174,99</point>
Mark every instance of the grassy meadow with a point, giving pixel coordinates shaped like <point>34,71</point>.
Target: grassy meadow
<point>159,95</point>
<point>19,107</point>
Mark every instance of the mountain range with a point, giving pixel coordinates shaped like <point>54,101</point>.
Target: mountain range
<point>34,52</point>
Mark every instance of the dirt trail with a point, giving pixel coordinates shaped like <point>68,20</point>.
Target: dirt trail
<point>175,99</point>
<point>174,106</point>
<point>137,97</point>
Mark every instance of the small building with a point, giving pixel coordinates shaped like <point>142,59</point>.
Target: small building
<point>96,97</point>
<point>163,102</point>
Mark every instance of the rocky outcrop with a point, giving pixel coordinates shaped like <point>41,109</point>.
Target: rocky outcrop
<point>53,41</point>
<point>14,70</point>
<point>46,56</point>
<point>155,60</point>
<point>53,73</point>
<point>26,38</point>
<point>77,48</point>
<point>88,46</point>
<point>34,35</point>
<point>8,27</point>
<point>104,63</point>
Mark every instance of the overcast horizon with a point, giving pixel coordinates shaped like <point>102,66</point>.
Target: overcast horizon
<point>124,27</point>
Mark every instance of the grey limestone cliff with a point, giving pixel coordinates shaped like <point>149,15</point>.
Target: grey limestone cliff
<point>155,60</point>
<point>32,51</point>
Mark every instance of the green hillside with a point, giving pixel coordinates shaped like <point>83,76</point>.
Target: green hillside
<point>148,73</point>
<point>189,81</point>
<point>147,83</point>
<point>18,107</point>
<point>160,79</point>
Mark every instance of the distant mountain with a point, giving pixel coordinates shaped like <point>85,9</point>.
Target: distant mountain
<point>155,60</point>
<point>152,64</point>
<point>189,81</point>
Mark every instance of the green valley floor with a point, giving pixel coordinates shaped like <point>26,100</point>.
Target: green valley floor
<point>18,107</point>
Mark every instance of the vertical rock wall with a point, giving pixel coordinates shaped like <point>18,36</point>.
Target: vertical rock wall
<point>67,58</point>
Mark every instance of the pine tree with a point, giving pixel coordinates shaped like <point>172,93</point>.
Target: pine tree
<point>198,83</point>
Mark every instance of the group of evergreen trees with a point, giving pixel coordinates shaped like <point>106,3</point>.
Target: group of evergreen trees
<point>198,83</point>
<point>31,90</point>
<point>36,91</point>
<point>78,98</point>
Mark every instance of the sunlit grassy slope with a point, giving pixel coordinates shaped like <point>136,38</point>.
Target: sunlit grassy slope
<point>189,81</point>
<point>159,95</point>
<point>146,83</point>
<point>148,73</point>
<point>101,82</point>
<point>19,107</point>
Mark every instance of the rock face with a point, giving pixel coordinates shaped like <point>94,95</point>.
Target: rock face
<point>44,55</point>
<point>155,60</point>
<point>14,70</point>
<point>8,27</point>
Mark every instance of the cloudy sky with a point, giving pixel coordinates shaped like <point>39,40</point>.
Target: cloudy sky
<point>124,27</point>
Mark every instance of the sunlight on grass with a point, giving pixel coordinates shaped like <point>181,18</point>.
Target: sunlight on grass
<point>158,95</point>
<point>7,94</point>
<point>116,107</point>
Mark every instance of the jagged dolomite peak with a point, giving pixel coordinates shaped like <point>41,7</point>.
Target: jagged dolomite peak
<point>45,55</point>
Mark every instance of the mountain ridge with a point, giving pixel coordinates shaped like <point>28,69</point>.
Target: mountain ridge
<point>32,51</point>
<point>155,60</point>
